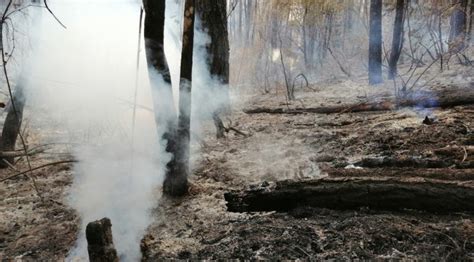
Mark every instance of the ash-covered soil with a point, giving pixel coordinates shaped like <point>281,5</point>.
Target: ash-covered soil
<point>278,147</point>
<point>305,146</point>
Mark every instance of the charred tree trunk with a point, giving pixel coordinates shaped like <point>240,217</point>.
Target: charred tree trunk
<point>213,17</point>
<point>397,40</point>
<point>354,193</point>
<point>100,242</point>
<point>176,184</point>
<point>12,126</point>
<point>375,43</point>
<point>159,74</point>
<point>458,26</point>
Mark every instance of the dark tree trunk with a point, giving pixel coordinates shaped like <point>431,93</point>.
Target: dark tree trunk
<point>213,15</point>
<point>100,242</point>
<point>176,184</point>
<point>397,40</point>
<point>165,113</point>
<point>471,17</point>
<point>458,26</point>
<point>12,126</point>
<point>375,43</point>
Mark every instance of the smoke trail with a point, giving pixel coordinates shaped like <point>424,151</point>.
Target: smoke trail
<point>82,88</point>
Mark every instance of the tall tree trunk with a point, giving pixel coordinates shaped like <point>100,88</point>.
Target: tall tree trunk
<point>176,184</point>
<point>12,126</point>
<point>159,74</point>
<point>397,40</point>
<point>375,43</point>
<point>458,26</point>
<point>213,17</point>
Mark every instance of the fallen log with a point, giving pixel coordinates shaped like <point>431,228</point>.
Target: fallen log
<point>100,243</point>
<point>445,99</point>
<point>430,173</point>
<point>354,193</point>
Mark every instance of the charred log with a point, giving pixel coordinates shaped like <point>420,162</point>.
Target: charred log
<point>341,194</point>
<point>445,99</point>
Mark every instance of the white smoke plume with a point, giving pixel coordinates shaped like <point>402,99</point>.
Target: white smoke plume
<point>81,88</point>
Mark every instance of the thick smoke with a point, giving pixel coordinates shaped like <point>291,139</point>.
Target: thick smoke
<point>81,90</point>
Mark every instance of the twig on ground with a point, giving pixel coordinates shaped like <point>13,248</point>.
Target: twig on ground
<point>37,168</point>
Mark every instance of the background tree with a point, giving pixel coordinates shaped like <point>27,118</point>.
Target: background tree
<point>458,26</point>
<point>375,42</point>
<point>213,17</point>
<point>397,40</point>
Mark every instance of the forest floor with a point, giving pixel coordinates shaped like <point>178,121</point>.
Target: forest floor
<point>279,147</point>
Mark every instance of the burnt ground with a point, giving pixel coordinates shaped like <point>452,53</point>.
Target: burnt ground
<point>278,147</point>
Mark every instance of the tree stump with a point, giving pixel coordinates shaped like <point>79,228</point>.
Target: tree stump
<point>100,243</point>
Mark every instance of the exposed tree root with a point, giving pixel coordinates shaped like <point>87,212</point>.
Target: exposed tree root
<point>353,193</point>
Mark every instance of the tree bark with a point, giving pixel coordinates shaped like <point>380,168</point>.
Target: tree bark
<point>397,40</point>
<point>12,127</point>
<point>162,93</point>
<point>354,193</point>
<point>458,26</point>
<point>176,184</point>
<point>213,16</point>
<point>375,43</point>
<point>100,242</point>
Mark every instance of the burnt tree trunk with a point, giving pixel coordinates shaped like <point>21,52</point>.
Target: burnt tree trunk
<point>100,242</point>
<point>458,26</point>
<point>354,193</point>
<point>213,16</point>
<point>12,126</point>
<point>159,74</point>
<point>176,183</point>
<point>397,40</point>
<point>375,43</point>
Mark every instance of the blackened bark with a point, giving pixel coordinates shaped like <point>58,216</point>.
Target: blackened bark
<point>100,242</point>
<point>213,16</point>
<point>375,43</point>
<point>165,113</point>
<point>176,183</point>
<point>397,40</point>
<point>12,126</point>
<point>458,26</point>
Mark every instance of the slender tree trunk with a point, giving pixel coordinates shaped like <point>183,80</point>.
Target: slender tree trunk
<point>458,26</point>
<point>177,183</point>
<point>159,74</point>
<point>12,126</point>
<point>214,21</point>
<point>375,43</point>
<point>397,40</point>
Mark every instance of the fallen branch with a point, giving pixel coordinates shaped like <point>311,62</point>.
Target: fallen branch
<point>354,193</point>
<point>37,168</point>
